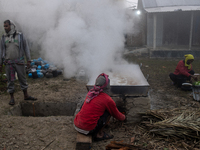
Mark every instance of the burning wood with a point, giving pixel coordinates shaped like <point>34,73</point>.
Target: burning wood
<point>122,146</point>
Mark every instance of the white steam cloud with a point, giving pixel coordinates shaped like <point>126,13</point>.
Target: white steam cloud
<point>74,34</point>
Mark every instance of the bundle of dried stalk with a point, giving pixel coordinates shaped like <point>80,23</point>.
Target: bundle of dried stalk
<point>179,122</point>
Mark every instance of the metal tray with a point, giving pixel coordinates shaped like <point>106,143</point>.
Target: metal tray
<point>128,83</point>
<point>126,90</point>
<point>196,93</point>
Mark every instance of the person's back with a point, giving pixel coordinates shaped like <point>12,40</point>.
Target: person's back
<point>90,113</point>
<point>97,109</point>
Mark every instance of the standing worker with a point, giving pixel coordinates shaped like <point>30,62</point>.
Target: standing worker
<point>97,110</point>
<point>183,71</point>
<point>12,50</point>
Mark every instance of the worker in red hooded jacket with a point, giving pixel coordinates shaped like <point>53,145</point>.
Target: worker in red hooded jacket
<point>96,110</point>
<point>183,71</point>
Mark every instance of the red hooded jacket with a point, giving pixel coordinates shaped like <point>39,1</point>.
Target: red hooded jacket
<point>181,69</point>
<point>90,113</point>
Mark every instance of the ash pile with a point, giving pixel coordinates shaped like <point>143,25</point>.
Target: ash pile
<point>41,68</point>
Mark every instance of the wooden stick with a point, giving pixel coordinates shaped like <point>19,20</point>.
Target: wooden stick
<point>33,109</point>
<point>185,145</point>
<point>48,144</point>
<point>174,147</point>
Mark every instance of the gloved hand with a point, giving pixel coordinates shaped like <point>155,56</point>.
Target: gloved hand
<point>194,77</point>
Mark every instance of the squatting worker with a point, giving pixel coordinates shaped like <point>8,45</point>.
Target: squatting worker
<point>183,71</point>
<point>12,50</point>
<point>96,110</point>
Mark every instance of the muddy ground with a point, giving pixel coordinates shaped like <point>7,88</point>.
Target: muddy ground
<point>57,132</point>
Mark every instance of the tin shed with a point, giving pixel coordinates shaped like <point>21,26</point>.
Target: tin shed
<point>172,25</point>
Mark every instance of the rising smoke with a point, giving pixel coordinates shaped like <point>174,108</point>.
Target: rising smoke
<point>74,34</point>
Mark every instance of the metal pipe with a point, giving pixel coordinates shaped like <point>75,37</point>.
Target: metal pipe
<point>33,109</point>
<point>154,30</point>
<point>191,29</point>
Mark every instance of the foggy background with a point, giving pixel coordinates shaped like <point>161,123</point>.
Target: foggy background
<point>76,35</point>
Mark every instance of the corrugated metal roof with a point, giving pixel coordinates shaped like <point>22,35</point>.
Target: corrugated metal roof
<point>167,3</point>
<point>172,9</point>
<point>170,5</point>
<point>149,3</point>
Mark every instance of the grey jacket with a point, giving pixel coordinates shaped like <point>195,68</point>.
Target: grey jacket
<point>23,48</point>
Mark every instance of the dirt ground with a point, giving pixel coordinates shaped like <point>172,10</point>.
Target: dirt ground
<point>57,132</point>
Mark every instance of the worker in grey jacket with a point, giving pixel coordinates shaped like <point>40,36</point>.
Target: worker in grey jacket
<point>12,51</point>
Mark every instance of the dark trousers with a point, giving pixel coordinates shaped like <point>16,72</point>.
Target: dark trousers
<point>180,79</point>
<point>21,74</point>
<point>100,124</point>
